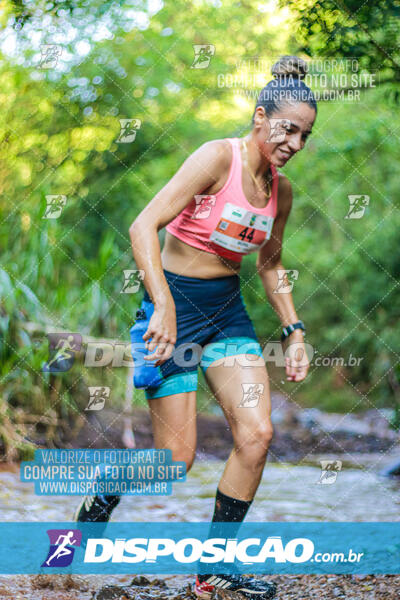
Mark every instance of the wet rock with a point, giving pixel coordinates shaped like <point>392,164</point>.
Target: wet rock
<point>225,595</point>
<point>113,592</point>
<point>159,583</point>
<point>373,423</point>
<point>140,580</point>
<point>283,411</point>
<point>59,582</point>
<point>150,596</point>
<point>360,577</point>
<point>140,588</point>
<point>185,593</point>
<point>392,470</point>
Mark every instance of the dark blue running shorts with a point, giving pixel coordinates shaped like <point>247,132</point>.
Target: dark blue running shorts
<point>212,323</point>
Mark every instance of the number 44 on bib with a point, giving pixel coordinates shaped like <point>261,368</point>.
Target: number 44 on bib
<point>241,230</point>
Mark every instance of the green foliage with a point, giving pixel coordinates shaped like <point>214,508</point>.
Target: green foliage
<point>368,31</point>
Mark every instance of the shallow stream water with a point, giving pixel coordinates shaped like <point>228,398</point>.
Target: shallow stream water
<point>287,493</point>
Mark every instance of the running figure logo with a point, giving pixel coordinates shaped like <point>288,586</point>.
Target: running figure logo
<point>278,128</point>
<point>132,281</point>
<point>202,55</point>
<point>129,128</point>
<point>55,204</point>
<point>61,551</point>
<point>98,396</point>
<point>358,203</point>
<point>62,349</point>
<point>330,469</point>
<point>50,54</point>
<point>286,279</point>
<point>251,394</point>
<point>203,208</point>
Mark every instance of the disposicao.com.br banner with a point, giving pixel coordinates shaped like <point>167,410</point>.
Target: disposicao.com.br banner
<point>172,548</point>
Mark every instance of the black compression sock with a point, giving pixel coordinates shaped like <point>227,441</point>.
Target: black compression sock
<point>112,500</point>
<point>230,510</point>
<point>226,510</point>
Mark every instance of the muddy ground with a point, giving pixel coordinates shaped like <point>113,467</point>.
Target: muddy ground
<point>290,587</point>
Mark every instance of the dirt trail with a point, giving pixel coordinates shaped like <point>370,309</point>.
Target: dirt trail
<point>290,587</point>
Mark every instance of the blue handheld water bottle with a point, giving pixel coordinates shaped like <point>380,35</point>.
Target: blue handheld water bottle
<point>145,373</point>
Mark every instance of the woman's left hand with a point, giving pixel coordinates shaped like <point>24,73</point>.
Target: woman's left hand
<point>296,359</point>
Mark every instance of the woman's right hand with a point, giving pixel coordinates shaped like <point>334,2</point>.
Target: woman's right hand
<point>162,331</point>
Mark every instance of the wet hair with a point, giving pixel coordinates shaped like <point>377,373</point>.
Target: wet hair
<point>287,86</point>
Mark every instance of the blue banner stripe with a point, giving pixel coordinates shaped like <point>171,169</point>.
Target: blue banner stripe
<point>174,548</point>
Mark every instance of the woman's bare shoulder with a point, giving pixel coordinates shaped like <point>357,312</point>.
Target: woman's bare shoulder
<point>215,156</point>
<point>219,150</point>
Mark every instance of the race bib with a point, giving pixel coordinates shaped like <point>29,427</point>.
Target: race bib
<point>241,230</point>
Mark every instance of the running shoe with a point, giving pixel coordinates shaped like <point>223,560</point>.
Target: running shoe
<point>248,587</point>
<point>94,509</point>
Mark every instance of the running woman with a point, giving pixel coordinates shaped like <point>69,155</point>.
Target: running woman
<point>226,200</point>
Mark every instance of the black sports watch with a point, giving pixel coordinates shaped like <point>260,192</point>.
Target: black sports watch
<point>286,331</point>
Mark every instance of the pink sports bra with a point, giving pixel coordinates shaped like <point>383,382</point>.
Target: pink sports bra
<point>225,223</point>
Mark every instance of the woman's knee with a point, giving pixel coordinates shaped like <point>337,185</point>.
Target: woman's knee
<point>252,443</point>
<point>185,455</point>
